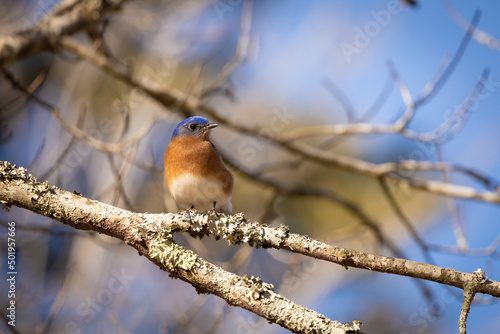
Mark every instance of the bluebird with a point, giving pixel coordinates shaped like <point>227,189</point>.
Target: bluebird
<point>196,176</point>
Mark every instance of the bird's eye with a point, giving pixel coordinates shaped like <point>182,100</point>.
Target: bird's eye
<point>192,126</point>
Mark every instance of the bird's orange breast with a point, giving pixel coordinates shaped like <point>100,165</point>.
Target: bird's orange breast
<point>197,157</point>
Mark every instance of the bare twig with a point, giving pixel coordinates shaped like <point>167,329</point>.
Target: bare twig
<point>242,48</point>
<point>433,87</point>
<point>80,134</point>
<point>453,208</point>
<point>402,217</point>
<point>453,124</point>
<point>341,98</point>
<point>479,35</point>
<point>56,305</point>
<point>57,163</point>
<point>378,102</point>
<point>399,125</point>
<point>407,116</point>
<point>119,174</point>
<point>470,289</point>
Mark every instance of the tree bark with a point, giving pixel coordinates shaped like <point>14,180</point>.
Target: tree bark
<point>151,235</point>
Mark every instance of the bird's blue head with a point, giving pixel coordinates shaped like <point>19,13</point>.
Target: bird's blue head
<point>195,126</point>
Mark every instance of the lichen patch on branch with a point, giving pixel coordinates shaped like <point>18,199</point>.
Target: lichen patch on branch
<point>165,250</point>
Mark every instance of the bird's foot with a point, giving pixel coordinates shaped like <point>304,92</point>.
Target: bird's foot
<point>214,211</point>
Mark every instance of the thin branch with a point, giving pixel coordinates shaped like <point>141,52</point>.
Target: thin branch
<point>403,218</point>
<point>470,291</point>
<point>242,48</point>
<point>479,35</point>
<point>77,132</point>
<point>491,250</point>
<point>432,88</point>
<point>413,165</point>
<point>379,101</point>
<point>115,320</point>
<point>453,124</point>
<point>340,96</point>
<point>409,226</point>
<point>399,125</point>
<point>183,317</point>
<point>56,305</point>
<point>268,212</point>
<point>344,100</point>
<point>453,208</point>
<point>407,116</point>
<point>119,190</point>
<point>79,124</point>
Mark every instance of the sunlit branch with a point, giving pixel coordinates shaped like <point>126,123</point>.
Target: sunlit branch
<point>147,231</point>
<point>151,235</point>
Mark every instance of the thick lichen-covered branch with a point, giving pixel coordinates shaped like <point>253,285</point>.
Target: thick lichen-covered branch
<point>139,229</point>
<point>237,229</point>
<point>151,235</point>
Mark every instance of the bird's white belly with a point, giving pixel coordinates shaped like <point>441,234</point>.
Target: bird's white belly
<point>198,192</point>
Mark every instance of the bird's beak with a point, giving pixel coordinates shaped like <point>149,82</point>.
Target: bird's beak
<point>210,126</point>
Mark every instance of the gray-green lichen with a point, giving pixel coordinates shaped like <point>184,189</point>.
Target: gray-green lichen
<point>197,221</point>
<point>300,319</point>
<point>249,289</point>
<point>19,177</point>
<point>142,232</point>
<point>11,171</point>
<point>165,250</point>
<point>256,288</point>
<point>237,229</point>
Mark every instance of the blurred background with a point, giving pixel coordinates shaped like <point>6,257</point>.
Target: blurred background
<point>306,63</point>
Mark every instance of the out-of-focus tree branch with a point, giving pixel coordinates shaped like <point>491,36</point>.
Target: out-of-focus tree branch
<point>67,18</point>
<point>479,35</point>
<point>191,105</point>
